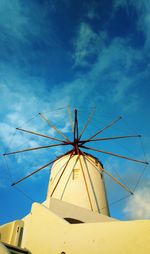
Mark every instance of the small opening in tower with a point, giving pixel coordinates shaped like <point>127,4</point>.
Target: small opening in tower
<point>75,173</point>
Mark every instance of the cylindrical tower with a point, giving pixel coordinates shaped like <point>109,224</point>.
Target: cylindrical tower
<point>79,181</point>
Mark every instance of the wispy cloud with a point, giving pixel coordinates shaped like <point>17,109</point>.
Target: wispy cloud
<point>142,9</point>
<point>86,45</point>
<point>13,25</point>
<point>111,70</point>
<point>138,207</point>
<point>120,3</point>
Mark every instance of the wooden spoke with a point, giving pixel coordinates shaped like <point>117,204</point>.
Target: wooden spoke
<point>122,185</point>
<point>39,134</point>
<point>109,138</point>
<point>106,127</point>
<point>62,173</point>
<point>35,171</point>
<point>113,154</point>
<point>86,124</point>
<point>54,127</point>
<point>36,148</point>
<point>70,117</point>
<point>96,201</point>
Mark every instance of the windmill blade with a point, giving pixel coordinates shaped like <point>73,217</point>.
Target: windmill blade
<point>39,134</point>
<point>122,185</point>
<point>110,138</point>
<point>36,148</point>
<point>35,171</point>
<point>86,124</point>
<point>106,127</point>
<point>117,155</point>
<point>54,127</point>
<point>62,172</point>
<point>85,180</point>
<point>70,117</point>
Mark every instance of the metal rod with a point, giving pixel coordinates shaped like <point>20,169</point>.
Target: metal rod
<point>106,127</point>
<point>39,134</point>
<point>54,127</point>
<point>74,132</point>
<point>86,124</point>
<point>36,148</point>
<point>70,117</point>
<point>62,173</point>
<point>109,138</point>
<point>113,154</point>
<point>75,125</point>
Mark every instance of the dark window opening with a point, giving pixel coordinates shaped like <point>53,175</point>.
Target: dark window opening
<point>73,221</point>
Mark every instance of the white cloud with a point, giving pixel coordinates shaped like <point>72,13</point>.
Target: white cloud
<point>83,44</point>
<point>86,44</point>
<point>138,207</point>
<point>120,3</point>
<point>92,10</point>
<point>91,13</point>
<point>110,69</point>
<point>20,22</point>
<point>142,9</point>
<point>12,20</point>
<point>20,104</point>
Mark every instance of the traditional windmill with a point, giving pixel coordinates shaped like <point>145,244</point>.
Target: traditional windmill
<point>76,193</point>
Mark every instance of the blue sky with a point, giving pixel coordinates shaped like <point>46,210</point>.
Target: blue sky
<point>84,54</point>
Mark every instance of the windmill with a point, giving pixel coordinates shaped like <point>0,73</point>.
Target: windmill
<point>77,176</point>
<point>76,195</point>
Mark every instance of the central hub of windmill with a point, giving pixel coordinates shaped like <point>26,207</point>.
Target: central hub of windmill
<point>76,141</point>
<point>76,147</point>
